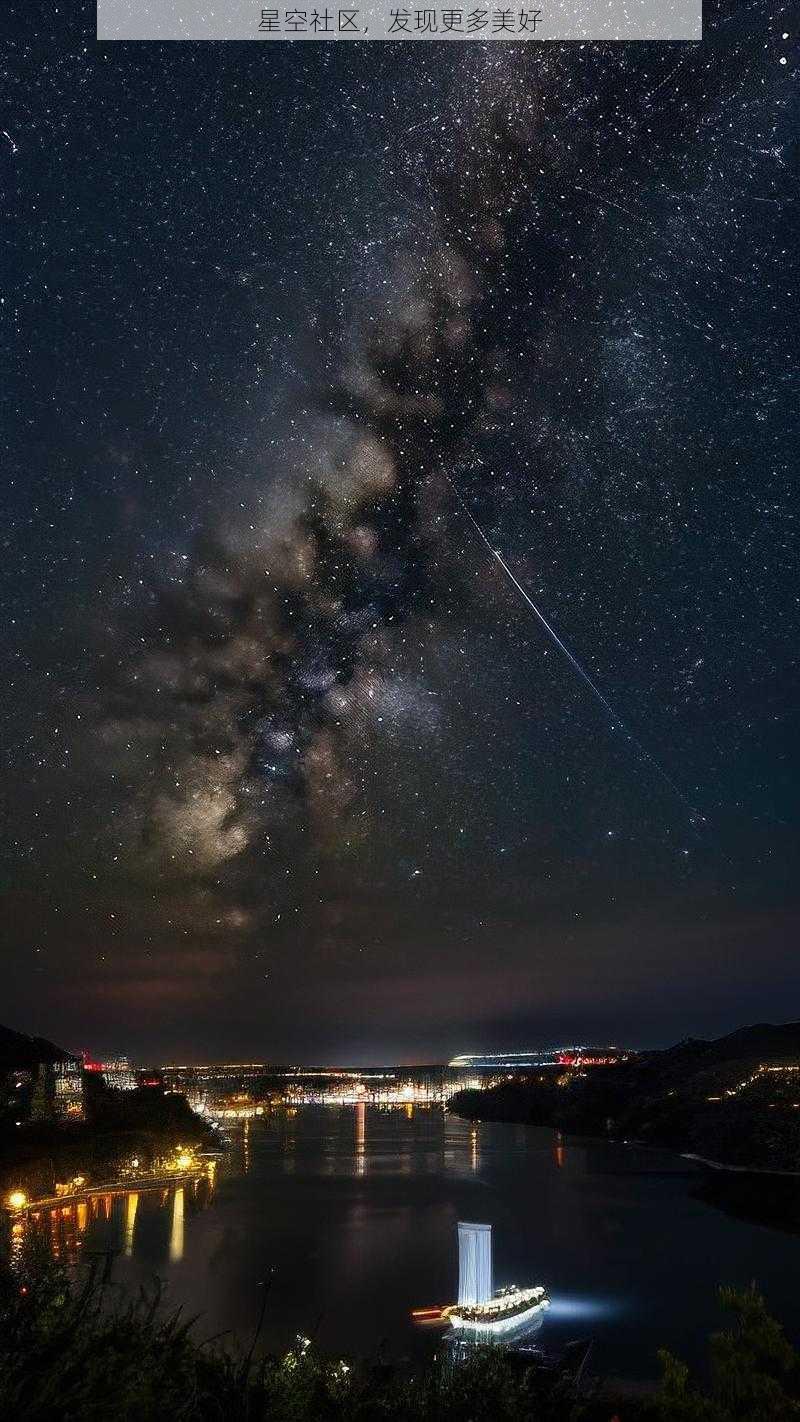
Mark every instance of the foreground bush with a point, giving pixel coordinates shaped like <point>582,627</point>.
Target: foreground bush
<point>83,1354</point>
<point>754,1372</point>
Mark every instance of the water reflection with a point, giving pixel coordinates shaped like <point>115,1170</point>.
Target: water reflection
<point>289,1141</point>
<point>422,1139</point>
<point>17,1242</point>
<point>176,1232</point>
<point>361,1137</point>
<point>131,1204</point>
<point>110,1221</point>
<point>362,1207</point>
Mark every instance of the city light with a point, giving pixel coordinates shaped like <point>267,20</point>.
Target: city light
<point>17,1200</point>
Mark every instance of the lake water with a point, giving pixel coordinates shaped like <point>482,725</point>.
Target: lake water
<point>349,1216</point>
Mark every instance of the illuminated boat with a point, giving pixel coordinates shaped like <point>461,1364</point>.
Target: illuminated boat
<point>480,1309</point>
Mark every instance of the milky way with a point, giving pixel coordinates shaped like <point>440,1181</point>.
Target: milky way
<point>278,744</point>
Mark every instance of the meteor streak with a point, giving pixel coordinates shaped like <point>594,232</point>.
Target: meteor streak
<point>616,719</point>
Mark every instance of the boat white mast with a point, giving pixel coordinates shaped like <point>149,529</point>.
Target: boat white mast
<point>474,1263</point>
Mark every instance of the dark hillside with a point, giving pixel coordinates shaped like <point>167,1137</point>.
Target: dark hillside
<point>735,1100</point>
<point>17,1050</point>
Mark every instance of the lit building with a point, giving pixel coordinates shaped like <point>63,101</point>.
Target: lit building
<point>116,1072</point>
<point>28,1078</point>
<point>58,1093</point>
<point>500,1064</point>
<point>68,1103</point>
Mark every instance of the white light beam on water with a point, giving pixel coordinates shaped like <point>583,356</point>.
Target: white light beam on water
<point>616,719</point>
<point>575,1307</point>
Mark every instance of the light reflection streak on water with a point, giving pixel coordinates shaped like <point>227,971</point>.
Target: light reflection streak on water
<point>474,1152</point>
<point>583,1308</point>
<point>67,1227</point>
<point>131,1204</point>
<point>177,1228</point>
<point>361,1137</point>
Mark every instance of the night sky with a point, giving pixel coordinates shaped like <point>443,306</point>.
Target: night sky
<point>293,771</point>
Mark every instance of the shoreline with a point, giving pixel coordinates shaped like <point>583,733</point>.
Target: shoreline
<point>597,1138</point>
<point>721,1166</point>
